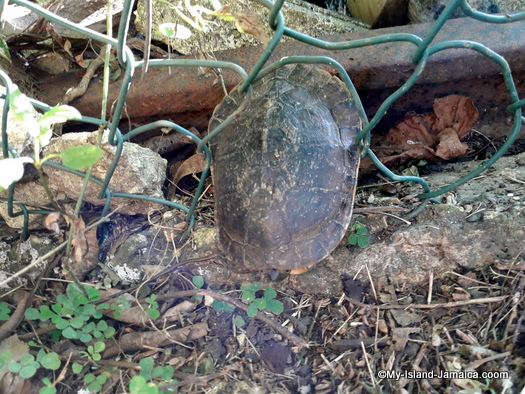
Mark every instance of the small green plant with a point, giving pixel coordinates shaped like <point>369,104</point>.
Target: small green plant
<point>49,387</point>
<point>267,301</point>
<point>359,235</point>
<point>76,157</point>
<point>72,314</point>
<point>27,366</point>
<point>5,312</point>
<point>153,308</point>
<point>222,306</point>
<point>95,382</point>
<point>120,304</point>
<point>145,382</point>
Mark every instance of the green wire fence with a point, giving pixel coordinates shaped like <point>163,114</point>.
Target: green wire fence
<point>423,50</point>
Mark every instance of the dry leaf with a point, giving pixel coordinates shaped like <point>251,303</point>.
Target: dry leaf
<point>79,240</point>
<point>51,222</point>
<point>79,59</point>
<point>192,165</point>
<point>147,340</point>
<point>432,136</point>
<point>224,13</point>
<point>401,336</point>
<point>248,22</point>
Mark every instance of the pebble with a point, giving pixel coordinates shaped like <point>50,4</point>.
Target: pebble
<point>475,217</point>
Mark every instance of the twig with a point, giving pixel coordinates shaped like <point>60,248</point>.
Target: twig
<point>454,304</point>
<point>81,89</point>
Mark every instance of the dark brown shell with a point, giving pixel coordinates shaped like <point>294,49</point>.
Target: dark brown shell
<point>285,170</point>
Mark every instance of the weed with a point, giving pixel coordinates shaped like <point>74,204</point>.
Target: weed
<point>359,235</point>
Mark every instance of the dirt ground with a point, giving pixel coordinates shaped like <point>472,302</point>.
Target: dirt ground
<point>459,331</point>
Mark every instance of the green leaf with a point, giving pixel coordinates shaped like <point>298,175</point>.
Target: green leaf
<point>221,306</point>
<point>4,311</point>
<point>70,333</point>
<point>48,389</point>
<point>253,287</point>
<point>153,313</point>
<point>239,321</point>
<point>58,114</point>
<point>270,293</point>
<point>198,281</point>
<point>23,110</point>
<point>260,303</point>
<point>14,366</point>
<point>252,310</point>
<point>50,361</point>
<point>101,379</point>
<point>61,323</point>
<point>28,371</point>
<point>57,308</point>
<point>94,386</point>
<point>151,299</point>
<point>248,296</point>
<point>76,367</point>
<point>138,385</point>
<point>352,239</point>
<point>11,170</point>
<point>102,325</point>
<point>27,359</point>
<point>4,50</point>
<point>32,314</point>
<point>77,157</point>
<point>99,346</point>
<point>146,364</point>
<point>76,322</point>
<point>109,332</point>
<point>362,231</point>
<point>89,378</point>
<point>363,242</point>
<point>165,373</point>
<point>88,327</point>
<point>275,306</point>
<point>93,293</point>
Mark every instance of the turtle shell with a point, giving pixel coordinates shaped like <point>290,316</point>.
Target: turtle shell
<point>284,171</point>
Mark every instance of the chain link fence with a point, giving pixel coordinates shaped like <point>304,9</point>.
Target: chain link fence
<point>423,50</point>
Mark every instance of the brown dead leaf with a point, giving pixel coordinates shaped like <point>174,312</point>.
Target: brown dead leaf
<point>192,165</point>
<point>457,112</point>
<point>223,12</point>
<point>400,335</point>
<point>449,145</point>
<point>63,42</point>
<point>159,338</point>
<point>79,240</point>
<point>51,222</point>
<point>79,59</point>
<point>249,23</point>
<point>275,357</point>
<point>432,136</point>
<point>175,313</point>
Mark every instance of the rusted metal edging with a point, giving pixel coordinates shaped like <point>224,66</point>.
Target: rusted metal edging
<point>183,92</point>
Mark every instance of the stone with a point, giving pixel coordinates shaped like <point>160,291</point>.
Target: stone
<point>140,171</point>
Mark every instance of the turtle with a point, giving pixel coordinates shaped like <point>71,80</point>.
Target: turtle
<point>284,170</point>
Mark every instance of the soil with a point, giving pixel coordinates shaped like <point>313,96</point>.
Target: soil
<point>466,319</point>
